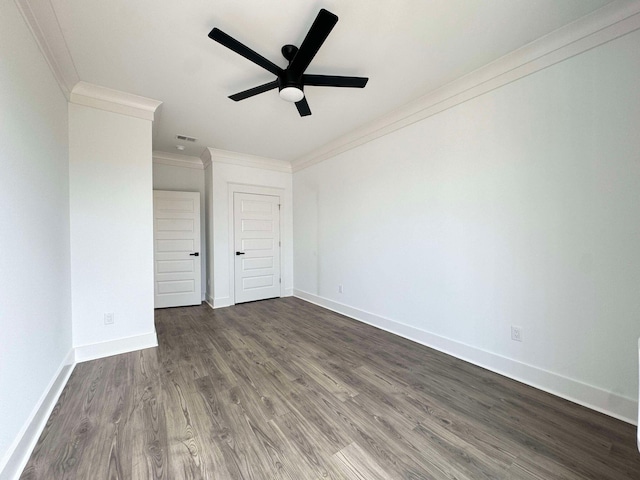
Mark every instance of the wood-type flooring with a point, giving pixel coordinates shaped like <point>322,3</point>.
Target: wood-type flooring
<point>283,389</point>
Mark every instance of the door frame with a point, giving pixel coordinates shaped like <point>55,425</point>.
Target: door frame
<point>233,188</point>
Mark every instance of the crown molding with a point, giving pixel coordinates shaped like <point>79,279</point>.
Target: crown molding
<point>214,155</point>
<point>602,26</point>
<point>104,98</point>
<point>43,23</point>
<point>176,160</point>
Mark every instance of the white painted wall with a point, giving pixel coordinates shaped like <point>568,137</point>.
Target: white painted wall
<point>185,179</point>
<point>35,298</point>
<point>222,175</point>
<point>111,203</point>
<point>519,207</point>
<point>208,227</point>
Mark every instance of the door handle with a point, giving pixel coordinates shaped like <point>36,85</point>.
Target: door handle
<point>239,253</point>
<point>197,254</point>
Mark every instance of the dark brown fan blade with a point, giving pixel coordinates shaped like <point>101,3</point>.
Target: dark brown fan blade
<point>303,107</point>
<point>254,91</point>
<point>334,81</point>
<point>318,33</point>
<point>232,44</point>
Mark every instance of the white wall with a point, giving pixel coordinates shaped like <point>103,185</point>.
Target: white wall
<point>111,202</point>
<point>223,175</point>
<point>184,179</point>
<point>520,207</point>
<point>208,224</point>
<point>35,301</point>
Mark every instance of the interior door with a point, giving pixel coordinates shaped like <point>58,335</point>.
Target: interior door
<point>176,248</point>
<point>256,246</point>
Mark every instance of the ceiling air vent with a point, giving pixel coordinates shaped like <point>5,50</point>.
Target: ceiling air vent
<point>185,138</point>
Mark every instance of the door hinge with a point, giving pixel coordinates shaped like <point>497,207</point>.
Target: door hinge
<point>279,206</point>
<point>279,244</point>
<point>280,280</point>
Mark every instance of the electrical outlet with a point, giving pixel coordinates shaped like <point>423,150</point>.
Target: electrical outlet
<point>516,333</point>
<point>109,318</point>
<point>339,288</point>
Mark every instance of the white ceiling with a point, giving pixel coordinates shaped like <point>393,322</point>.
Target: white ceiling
<point>160,49</point>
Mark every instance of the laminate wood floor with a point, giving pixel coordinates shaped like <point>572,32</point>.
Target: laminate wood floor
<point>282,389</point>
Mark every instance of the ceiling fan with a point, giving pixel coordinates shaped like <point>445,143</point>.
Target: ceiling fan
<point>292,80</point>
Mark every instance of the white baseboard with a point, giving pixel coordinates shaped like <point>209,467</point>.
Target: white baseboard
<point>18,454</point>
<point>114,347</point>
<point>592,397</point>
<point>226,301</point>
<point>222,302</point>
<point>209,299</point>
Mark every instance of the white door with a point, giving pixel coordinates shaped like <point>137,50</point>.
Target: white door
<point>176,248</point>
<point>256,246</point>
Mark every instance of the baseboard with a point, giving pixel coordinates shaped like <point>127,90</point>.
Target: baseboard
<point>209,299</point>
<point>226,301</point>
<point>18,454</point>
<point>589,396</point>
<point>114,347</point>
<point>222,302</point>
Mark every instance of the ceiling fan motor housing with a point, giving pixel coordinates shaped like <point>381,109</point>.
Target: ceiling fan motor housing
<point>286,79</point>
<point>290,86</point>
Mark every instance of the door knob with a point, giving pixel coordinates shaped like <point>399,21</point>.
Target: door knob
<point>197,254</point>
<point>239,253</point>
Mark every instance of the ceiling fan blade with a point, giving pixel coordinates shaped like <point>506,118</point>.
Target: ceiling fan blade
<point>232,44</point>
<point>236,97</point>
<point>318,33</point>
<point>303,108</point>
<point>334,81</point>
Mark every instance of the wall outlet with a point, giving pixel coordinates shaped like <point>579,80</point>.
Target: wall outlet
<point>109,318</point>
<point>339,288</point>
<point>516,333</point>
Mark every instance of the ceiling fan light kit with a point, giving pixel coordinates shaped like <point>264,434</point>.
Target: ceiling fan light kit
<point>291,94</point>
<point>290,81</point>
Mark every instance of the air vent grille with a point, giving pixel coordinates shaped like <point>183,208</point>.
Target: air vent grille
<point>186,139</point>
